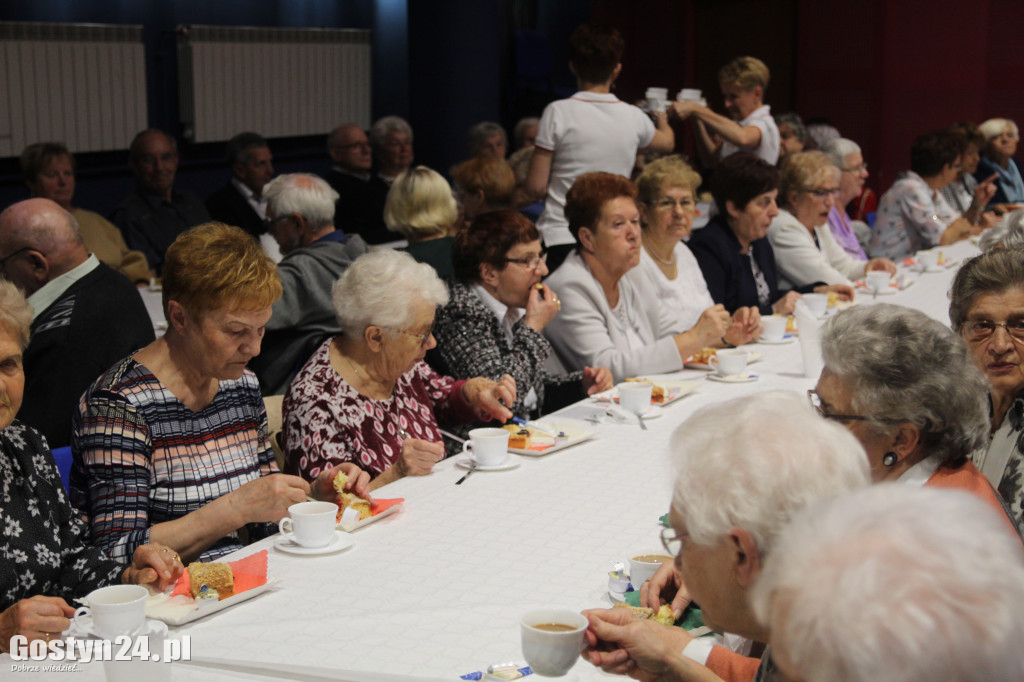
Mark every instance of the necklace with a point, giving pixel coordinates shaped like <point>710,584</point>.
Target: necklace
<point>650,249</point>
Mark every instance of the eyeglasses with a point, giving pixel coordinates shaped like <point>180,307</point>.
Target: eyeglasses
<point>855,169</point>
<point>819,407</point>
<point>3,261</point>
<point>823,193</point>
<point>531,263</point>
<point>980,330</point>
<point>421,339</point>
<point>672,543</point>
<point>669,204</point>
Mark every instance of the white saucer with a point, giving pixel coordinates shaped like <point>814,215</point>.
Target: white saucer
<point>151,627</point>
<point>653,413</point>
<point>934,268</point>
<point>342,540</point>
<point>785,339</point>
<point>888,291</point>
<point>734,378</point>
<point>467,463</point>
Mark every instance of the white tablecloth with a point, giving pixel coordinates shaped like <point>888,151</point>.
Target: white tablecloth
<point>435,591</point>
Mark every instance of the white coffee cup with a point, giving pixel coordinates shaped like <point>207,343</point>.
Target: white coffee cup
<point>644,565</point>
<point>927,260</point>
<point>818,303</point>
<point>489,446</point>
<point>310,524</point>
<point>774,327</point>
<point>657,93</point>
<point>635,396</point>
<point>688,95</point>
<point>877,280</point>
<point>116,610</point>
<point>729,361</point>
<point>552,653</point>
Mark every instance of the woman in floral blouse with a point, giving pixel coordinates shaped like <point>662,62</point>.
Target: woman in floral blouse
<point>46,560</point>
<point>366,396</point>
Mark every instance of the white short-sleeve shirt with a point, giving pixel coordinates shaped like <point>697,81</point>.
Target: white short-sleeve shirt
<point>768,149</point>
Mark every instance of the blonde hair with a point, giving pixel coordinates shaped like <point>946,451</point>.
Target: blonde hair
<point>492,175</point>
<point>669,171</point>
<point>802,171</point>
<point>420,204</point>
<point>15,312</point>
<point>746,73</point>
<point>214,265</point>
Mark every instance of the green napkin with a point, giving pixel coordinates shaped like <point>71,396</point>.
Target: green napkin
<point>690,620</point>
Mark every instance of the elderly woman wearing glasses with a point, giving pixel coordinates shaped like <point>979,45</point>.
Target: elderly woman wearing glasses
<point>987,308</point>
<point>805,250</point>
<point>667,191</point>
<point>366,396</point>
<point>905,386</point>
<point>492,325</point>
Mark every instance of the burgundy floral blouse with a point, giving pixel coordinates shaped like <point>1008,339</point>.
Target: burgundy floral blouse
<point>327,422</point>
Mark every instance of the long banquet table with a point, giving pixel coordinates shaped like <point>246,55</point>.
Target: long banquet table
<point>435,590</point>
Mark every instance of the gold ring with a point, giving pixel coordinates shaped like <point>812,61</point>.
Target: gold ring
<point>46,636</point>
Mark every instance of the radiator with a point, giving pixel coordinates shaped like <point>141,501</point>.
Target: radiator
<point>82,84</point>
<point>276,82</point>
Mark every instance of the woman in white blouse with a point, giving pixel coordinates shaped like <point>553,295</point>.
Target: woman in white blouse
<point>666,197</point>
<point>805,250</point>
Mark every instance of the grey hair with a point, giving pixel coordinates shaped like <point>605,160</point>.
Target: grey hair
<point>378,289</point>
<point>821,133</point>
<point>15,312</point>
<point>481,132</point>
<point>380,130</point>
<point>992,272</point>
<point>520,130</point>
<point>793,120</point>
<point>420,204</point>
<point>1008,233</point>
<point>740,465</point>
<point>994,127</point>
<point>303,193</point>
<point>896,583</point>
<point>903,366</point>
<point>237,148</point>
<point>838,149</point>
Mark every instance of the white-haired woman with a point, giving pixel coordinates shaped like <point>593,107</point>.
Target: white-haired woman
<point>906,387</point>
<point>853,173</point>
<point>1008,233</point>
<point>47,558</point>
<point>922,556</point>
<point>391,138</point>
<point>740,476</point>
<point>987,308</point>
<point>487,138</point>
<point>366,396</point>
<point>422,208</point>
<point>1001,136</point>
<point>805,250</point>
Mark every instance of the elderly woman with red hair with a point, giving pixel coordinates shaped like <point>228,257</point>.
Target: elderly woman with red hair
<point>606,318</point>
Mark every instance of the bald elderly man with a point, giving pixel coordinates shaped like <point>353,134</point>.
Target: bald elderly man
<point>87,316</point>
<point>361,194</point>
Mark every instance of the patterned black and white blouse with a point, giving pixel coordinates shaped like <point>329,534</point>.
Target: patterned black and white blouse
<point>472,343</point>
<point>43,547</point>
<point>1002,461</point>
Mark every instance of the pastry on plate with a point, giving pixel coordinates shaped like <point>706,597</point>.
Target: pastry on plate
<point>519,437</point>
<point>347,499</point>
<point>657,392</point>
<point>216,576</point>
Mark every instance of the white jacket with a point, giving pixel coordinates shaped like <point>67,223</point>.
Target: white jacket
<point>800,262</point>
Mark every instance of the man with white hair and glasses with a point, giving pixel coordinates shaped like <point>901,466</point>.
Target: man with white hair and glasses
<point>300,216</point>
<point>895,584</point>
<point>741,474</point>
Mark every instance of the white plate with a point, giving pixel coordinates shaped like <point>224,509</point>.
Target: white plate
<point>752,357</point>
<point>674,390</point>
<point>576,431</point>
<point>784,340</point>
<point>151,627</point>
<point>180,610</point>
<point>370,519</point>
<point>734,379</point>
<point>342,540</point>
<point>468,462</point>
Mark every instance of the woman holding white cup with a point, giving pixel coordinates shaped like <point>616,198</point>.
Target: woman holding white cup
<point>47,559</point>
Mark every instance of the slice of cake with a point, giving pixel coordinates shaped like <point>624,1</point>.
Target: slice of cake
<point>216,576</point>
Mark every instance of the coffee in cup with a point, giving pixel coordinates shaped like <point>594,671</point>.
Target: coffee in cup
<point>643,566</point>
<point>489,446</point>
<point>729,361</point>
<point>310,524</point>
<point>116,610</point>
<point>552,640</point>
